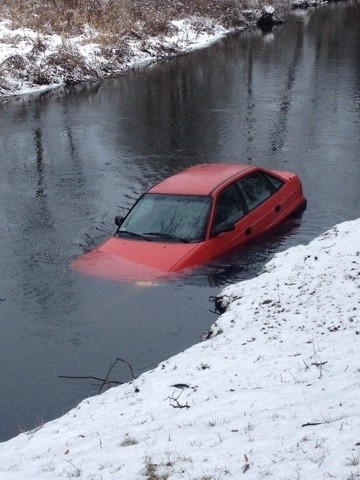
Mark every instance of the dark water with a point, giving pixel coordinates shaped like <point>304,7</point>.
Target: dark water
<point>73,158</point>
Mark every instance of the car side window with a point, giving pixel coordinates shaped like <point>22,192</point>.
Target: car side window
<point>257,187</point>
<point>275,182</point>
<point>229,206</point>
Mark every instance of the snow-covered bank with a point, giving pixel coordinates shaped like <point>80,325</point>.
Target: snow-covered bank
<point>31,62</point>
<point>274,393</point>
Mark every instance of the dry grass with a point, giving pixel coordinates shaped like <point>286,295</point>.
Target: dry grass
<point>111,24</point>
<point>120,18</point>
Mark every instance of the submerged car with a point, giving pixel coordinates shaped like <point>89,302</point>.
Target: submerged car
<point>192,217</point>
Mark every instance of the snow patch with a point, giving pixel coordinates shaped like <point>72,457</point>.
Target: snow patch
<point>30,61</point>
<point>274,393</point>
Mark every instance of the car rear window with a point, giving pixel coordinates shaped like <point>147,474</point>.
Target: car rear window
<point>257,187</point>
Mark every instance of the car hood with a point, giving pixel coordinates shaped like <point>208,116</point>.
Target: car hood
<point>134,260</point>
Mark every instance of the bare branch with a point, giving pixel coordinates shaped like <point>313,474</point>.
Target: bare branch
<point>130,367</point>
<point>88,377</point>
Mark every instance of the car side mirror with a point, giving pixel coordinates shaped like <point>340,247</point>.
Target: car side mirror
<point>226,227</point>
<point>119,220</point>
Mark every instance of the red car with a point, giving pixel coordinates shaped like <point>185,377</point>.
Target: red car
<point>191,218</point>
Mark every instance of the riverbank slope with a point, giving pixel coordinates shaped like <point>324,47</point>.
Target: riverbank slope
<point>273,393</point>
<point>48,44</point>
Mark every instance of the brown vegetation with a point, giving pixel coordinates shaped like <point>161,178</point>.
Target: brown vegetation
<point>119,18</point>
<point>115,26</point>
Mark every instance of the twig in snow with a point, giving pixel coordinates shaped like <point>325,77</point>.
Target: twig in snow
<point>311,424</point>
<point>246,465</point>
<point>319,365</point>
<point>176,403</point>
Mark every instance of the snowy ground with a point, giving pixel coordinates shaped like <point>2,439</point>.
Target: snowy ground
<point>274,393</point>
<point>32,62</point>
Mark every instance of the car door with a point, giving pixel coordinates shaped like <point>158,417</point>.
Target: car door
<point>228,225</point>
<point>251,205</point>
<point>263,200</point>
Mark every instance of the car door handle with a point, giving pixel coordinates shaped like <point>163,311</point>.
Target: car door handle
<point>248,231</point>
<point>277,208</point>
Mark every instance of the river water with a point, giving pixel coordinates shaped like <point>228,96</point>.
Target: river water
<point>73,158</point>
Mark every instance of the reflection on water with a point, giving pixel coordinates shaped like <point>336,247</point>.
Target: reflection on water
<point>73,158</point>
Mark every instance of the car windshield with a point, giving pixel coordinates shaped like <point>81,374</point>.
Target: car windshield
<point>180,218</point>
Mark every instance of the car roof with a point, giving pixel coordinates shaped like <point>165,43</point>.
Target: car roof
<point>200,179</point>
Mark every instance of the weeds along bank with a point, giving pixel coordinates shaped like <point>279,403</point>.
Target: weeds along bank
<point>52,42</point>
